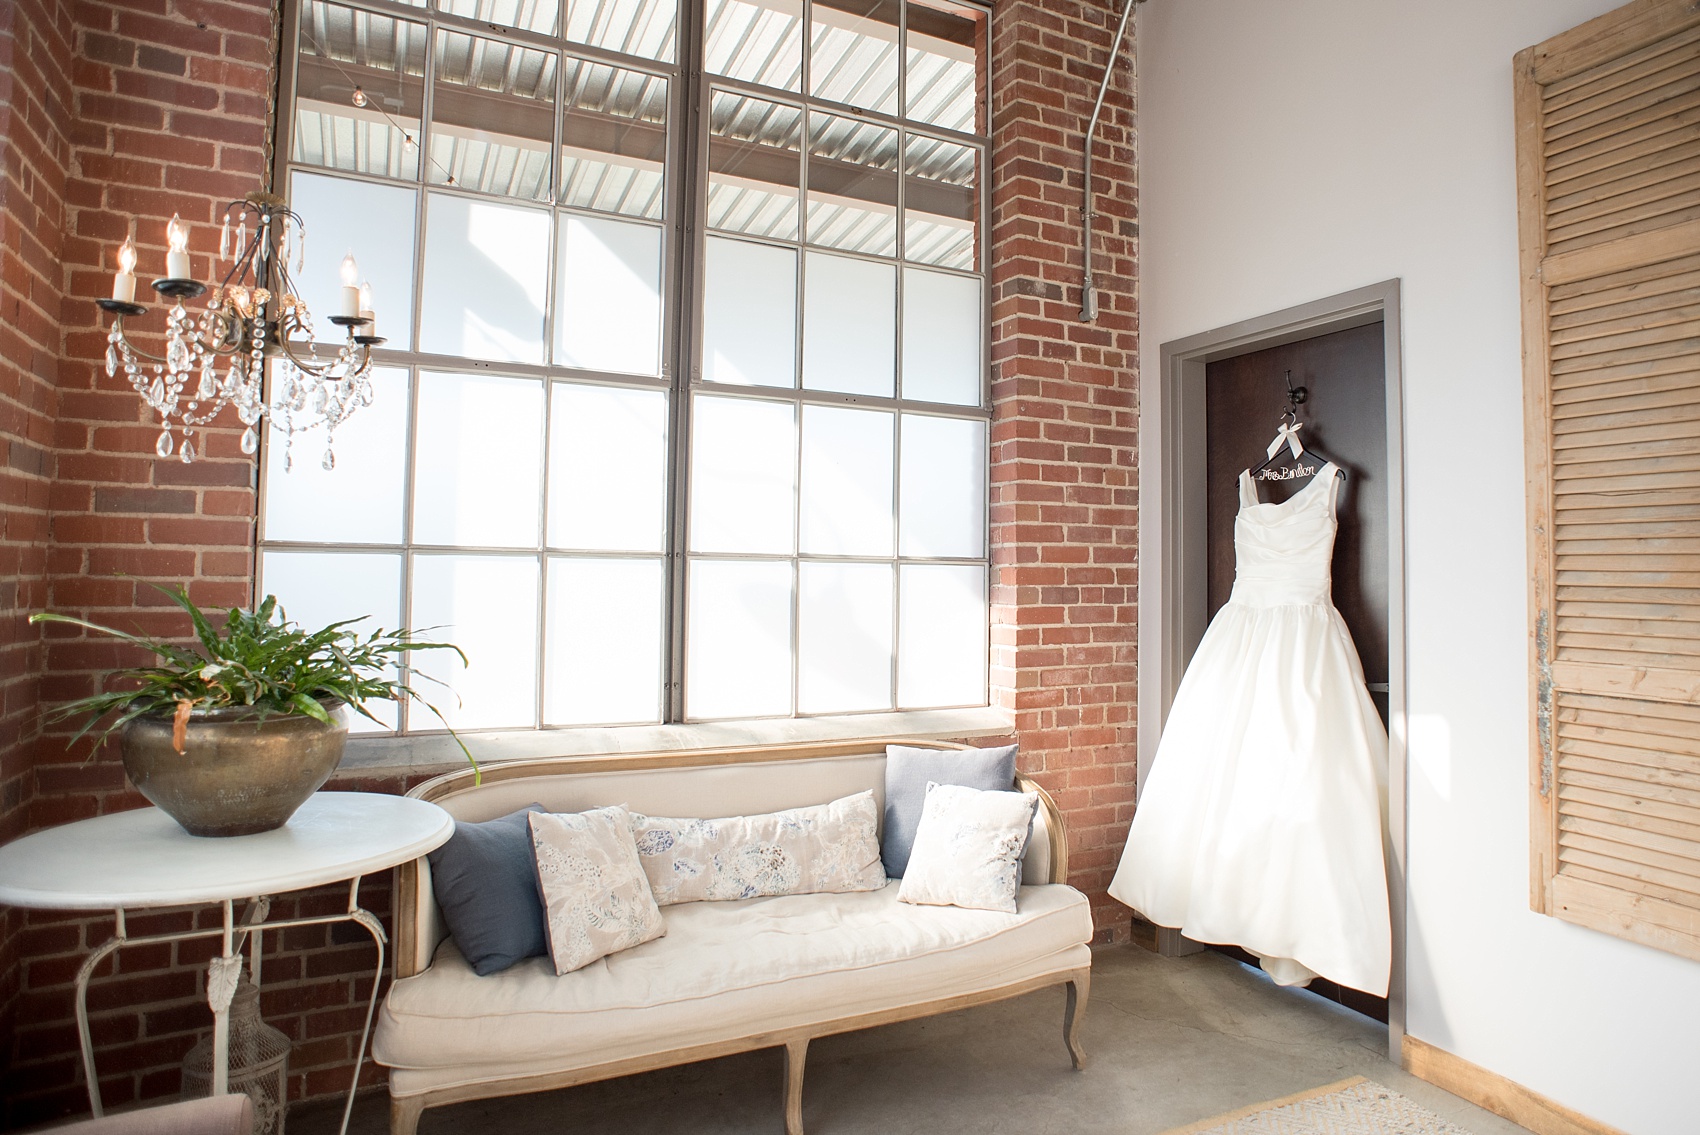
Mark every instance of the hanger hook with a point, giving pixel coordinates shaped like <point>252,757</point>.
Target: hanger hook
<point>1296,396</point>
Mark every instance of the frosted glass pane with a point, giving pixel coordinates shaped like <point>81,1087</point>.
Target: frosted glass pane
<point>846,490</point>
<point>358,502</point>
<point>738,639</point>
<point>608,299</point>
<point>478,460</point>
<point>607,468</point>
<point>750,314</point>
<point>941,658</point>
<point>486,280</point>
<point>375,224</point>
<point>743,475</point>
<point>603,661</point>
<point>943,497</point>
<point>844,637</point>
<point>487,606</point>
<point>849,325</point>
<point>317,589</point>
<point>942,318</point>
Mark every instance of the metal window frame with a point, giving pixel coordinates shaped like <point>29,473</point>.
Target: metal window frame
<point>683,262</point>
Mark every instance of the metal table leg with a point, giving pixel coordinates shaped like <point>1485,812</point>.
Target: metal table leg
<point>379,939</point>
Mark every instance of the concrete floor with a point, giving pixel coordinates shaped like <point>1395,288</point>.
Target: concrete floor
<point>1170,1040</point>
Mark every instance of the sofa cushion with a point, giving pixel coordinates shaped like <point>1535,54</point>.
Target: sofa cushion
<point>717,976</point>
<point>968,848</point>
<point>826,848</point>
<point>596,899</point>
<point>485,881</point>
<point>908,770</point>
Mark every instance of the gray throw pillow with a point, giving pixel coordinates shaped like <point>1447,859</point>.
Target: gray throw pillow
<point>485,880</point>
<point>907,771</point>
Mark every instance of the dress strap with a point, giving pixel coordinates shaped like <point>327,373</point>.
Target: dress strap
<point>1248,489</point>
<point>1332,472</point>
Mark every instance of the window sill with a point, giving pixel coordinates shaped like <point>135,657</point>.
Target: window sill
<point>366,754</point>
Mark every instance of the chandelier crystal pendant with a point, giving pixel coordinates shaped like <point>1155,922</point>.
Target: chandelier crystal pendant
<point>253,318</point>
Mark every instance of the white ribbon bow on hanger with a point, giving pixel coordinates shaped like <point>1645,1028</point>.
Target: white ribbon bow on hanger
<point>1288,435</point>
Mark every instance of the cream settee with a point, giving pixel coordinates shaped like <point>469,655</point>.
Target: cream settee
<point>727,976</point>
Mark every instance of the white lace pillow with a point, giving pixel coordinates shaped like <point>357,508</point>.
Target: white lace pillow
<point>968,848</point>
<point>828,848</point>
<point>596,899</point>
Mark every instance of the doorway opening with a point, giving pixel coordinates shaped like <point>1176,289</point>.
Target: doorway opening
<point>1213,402</point>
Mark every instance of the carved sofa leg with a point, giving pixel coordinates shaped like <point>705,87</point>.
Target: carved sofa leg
<point>796,1051</point>
<point>1078,989</point>
<point>405,1113</point>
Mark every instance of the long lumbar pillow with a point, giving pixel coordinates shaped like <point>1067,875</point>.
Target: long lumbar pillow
<point>828,848</point>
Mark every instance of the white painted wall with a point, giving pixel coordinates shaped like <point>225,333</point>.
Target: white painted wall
<point>1293,149</point>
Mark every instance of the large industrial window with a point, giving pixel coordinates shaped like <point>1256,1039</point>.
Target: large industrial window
<point>683,413</point>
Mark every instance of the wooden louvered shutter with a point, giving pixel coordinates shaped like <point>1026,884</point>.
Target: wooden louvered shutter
<point>1608,165</point>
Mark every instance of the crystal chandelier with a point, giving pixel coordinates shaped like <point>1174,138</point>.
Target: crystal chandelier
<point>253,317</point>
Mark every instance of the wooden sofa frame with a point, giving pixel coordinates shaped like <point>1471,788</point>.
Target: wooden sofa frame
<point>405,1112</point>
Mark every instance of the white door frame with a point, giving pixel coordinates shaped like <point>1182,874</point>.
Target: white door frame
<point>1173,553</point>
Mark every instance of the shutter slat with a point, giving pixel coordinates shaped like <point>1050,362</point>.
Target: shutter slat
<point>1655,824</point>
<point>1670,813</point>
<point>1608,152</point>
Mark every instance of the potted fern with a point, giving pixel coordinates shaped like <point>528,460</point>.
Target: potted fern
<point>230,736</point>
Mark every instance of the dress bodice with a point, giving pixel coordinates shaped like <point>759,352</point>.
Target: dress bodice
<point>1282,550</point>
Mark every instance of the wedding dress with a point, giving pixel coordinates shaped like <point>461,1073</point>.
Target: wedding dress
<point>1262,822</point>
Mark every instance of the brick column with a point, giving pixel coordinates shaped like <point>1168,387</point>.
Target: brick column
<point>1064,479</point>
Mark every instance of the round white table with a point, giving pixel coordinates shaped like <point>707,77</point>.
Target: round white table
<point>142,858</point>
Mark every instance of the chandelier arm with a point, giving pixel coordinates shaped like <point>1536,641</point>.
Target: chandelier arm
<point>132,349</point>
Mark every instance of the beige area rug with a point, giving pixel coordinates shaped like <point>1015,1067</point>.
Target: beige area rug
<point>1351,1107</point>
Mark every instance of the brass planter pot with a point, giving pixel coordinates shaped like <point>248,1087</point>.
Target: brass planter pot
<point>240,773</point>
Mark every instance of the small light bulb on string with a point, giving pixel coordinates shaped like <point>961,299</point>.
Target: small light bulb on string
<point>359,97</point>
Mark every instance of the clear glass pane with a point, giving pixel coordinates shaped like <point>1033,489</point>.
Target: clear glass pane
<point>492,117</point>
<point>758,41</point>
<point>317,589</point>
<point>738,639</point>
<point>946,44</point>
<point>608,296</point>
<point>646,28</point>
<point>487,606</point>
<point>844,637</point>
<point>750,314</point>
<point>342,49</point>
<point>603,655</point>
<point>943,330</point>
<point>374,224</point>
<point>531,15</point>
<point>607,468</point>
<point>755,166</point>
<point>853,53</point>
<point>485,281</point>
<point>941,643</point>
<point>478,460</point>
<point>743,475</point>
<point>358,502</point>
<point>849,325</point>
<point>614,140</point>
<point>941,203</point>
<point>943,496</point>
<point>852,184</point>
<point>846,504</point>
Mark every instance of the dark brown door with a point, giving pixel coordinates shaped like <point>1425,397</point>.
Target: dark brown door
<point>1345,416</point>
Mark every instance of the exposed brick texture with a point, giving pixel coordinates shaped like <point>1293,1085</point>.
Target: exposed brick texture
<point>1064,478</point>
<point>147,108</point>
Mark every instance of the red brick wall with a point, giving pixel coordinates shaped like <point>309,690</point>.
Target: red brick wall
<point>168,117</point>
<point>35,56</point>
<point>1064,480</point>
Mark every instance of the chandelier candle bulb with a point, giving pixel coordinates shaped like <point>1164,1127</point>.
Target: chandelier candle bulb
<point>177,259</point>
<point>350,290</point>
<point>366,312</point>
<point>124,284</point>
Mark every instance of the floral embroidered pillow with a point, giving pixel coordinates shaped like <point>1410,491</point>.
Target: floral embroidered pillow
<point>828,848</point>
<point>596,900</point>
<point>968,848</point>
